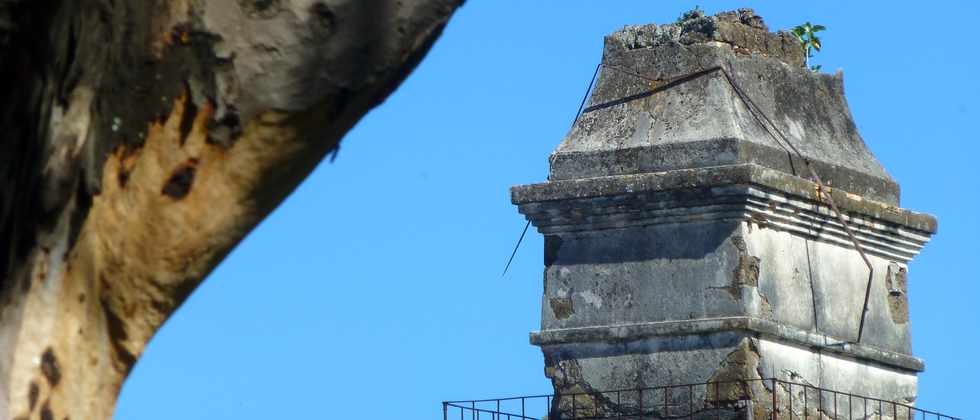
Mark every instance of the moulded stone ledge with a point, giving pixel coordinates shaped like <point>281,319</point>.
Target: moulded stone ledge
<point>853,205</point>
<point>766,328</point>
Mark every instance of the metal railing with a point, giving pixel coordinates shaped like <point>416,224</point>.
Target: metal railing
<point>770,399</point>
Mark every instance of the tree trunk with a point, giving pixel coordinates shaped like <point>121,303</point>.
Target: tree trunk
<point>142,140</point>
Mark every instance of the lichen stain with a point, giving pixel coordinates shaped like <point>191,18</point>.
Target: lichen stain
<point>746,274</point>
<point>738,378</point>
<point>747,271</point>
<point>561,307</point>
<point>566,378</point>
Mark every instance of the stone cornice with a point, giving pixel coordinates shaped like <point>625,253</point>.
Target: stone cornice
<point>765,197</point>
<point>710,153</point>
<point>761,327</point>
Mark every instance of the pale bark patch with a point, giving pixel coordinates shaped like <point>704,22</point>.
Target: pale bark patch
<point>141,251</point>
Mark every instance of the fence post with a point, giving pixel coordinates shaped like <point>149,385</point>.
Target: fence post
<point>641,402</point>
<point>806,407</point>
<point>790,401</point>
<point>574,411</point>
<point>774,415</point>
<point>619,404</point>
<point>690,401</point>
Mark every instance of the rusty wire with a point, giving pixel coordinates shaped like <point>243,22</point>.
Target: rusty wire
<point>661,84</point>
<point>574,120</point>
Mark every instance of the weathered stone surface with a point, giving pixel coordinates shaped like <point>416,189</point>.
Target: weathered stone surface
<point>718,260</point>
<point>705,251</point>
<point>743,30</point>
<point>677,181</point>
<point>640,119</point>
<point>683,244</point>
<point>711,357</point>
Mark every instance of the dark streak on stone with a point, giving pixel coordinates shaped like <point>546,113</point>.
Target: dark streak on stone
<point>117,337</point>
<point>50,367</point>
<point>32,393</point>
<point>552,244</point>
<point>179,183</point>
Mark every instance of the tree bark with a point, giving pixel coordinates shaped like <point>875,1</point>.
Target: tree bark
<point>142,140</point>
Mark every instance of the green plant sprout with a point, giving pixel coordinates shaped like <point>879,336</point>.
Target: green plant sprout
<point>694,13</point>
<point>807,35</point>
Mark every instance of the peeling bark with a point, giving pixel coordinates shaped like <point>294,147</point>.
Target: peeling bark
<point>141,142</point>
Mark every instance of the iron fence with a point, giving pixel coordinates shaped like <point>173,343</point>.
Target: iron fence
<point>769,399</point>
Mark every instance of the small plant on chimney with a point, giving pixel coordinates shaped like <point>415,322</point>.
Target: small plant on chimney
<point>807,35</point>
<point>696,12</point>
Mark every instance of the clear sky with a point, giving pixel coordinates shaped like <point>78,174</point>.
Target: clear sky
<point>375,291</point>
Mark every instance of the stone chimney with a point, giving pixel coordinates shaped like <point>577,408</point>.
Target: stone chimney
<point>687,242</point>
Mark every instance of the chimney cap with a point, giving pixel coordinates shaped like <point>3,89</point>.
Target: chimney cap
<point>658,106</point>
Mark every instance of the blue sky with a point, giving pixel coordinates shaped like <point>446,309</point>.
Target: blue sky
<point>375,289</point>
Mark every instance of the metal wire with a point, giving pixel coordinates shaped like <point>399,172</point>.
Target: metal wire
<point>575,120</point>
<point>516,246</point>
<point>676,403</point>
<point>763,120</point>
<point>777,135</point>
